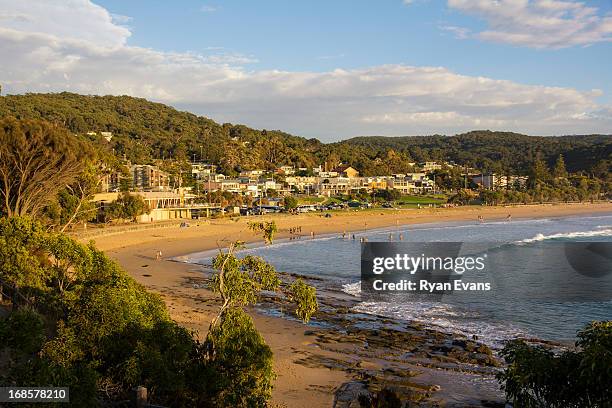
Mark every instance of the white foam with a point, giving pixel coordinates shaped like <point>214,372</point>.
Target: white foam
<point>353,289</point>
<point>577,234</point>
<point>446,318</point>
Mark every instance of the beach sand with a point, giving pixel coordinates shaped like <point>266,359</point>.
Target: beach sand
<point>297,384</point>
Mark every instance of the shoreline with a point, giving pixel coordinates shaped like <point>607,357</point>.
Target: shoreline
<point>208,234</point>
<point>319,365</point>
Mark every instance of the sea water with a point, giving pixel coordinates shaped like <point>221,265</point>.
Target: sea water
<point>495,317</point>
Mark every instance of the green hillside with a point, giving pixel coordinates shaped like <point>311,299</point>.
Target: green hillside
<point>143,131</point>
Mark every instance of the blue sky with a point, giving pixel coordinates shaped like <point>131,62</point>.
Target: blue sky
<point>328,69</point>
<point>324,35</point>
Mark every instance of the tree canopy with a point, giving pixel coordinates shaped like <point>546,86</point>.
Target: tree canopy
<point>37,160</point>
<point>144,131</point>
<point>537,377</point>
<point>84,323</point>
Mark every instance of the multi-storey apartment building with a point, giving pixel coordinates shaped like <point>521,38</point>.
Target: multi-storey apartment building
<point>149,178</point>
<point>411,183</point>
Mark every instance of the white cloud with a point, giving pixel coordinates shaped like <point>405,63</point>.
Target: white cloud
<point>208,9</point>
<point>66,19</point>
<point>459,32</point>
<point>230,58</point>
<point>537,23</point>
<point>388,99</point>
<point>120,19</point>
<point>331,57</point>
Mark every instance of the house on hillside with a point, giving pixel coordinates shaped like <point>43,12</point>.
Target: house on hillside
<point>346,171</point>
<point>287,170</point>
<point>430,166</point>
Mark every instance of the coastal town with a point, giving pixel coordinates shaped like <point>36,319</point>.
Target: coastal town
<point>277,204</point>
<point>94,227</point>
<point>209,192</point>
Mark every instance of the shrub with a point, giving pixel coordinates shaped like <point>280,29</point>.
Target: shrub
<point>536,377</point>
<point>240,356</point>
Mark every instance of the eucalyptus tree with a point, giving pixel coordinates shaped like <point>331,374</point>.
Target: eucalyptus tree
<point>37,160</point>
<point>233,347</point>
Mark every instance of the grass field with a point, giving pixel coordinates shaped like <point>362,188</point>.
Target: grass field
<point>317,200</point>
<point>415,201</point>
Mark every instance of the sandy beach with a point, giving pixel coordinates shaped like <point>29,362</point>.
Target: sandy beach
<point>300,382</point>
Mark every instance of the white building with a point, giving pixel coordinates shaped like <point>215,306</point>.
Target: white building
<point>430,166</point>
<point>411,183</point>
<point>496,181</point>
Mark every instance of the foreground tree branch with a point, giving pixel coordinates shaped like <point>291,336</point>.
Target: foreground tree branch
<point>37,160</point>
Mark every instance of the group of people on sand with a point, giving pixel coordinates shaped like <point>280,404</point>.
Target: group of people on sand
<point>298,230</point>
<point>295,233</point>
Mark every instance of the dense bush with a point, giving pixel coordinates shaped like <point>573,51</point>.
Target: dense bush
<point>539,378</point>
<point>87,325</point>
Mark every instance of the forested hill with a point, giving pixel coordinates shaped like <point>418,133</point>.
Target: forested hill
<point>495,150</point>
<point>144,131</point>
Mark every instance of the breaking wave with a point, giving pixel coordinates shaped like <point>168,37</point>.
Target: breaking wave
<point>567,235</point>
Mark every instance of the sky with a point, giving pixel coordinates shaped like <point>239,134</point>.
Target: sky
<point>328,69</point>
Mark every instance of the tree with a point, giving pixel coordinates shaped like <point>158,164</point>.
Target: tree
<point>128,206</point>
<point>242,360</point>
<point>232,336</point>
<point>559,170</point>
<point>539,172</point>
<point>291,202</point>
<point>37,160</point>
<point>386,194</point>
<point>90,326</point>
<point>267,229</point>
<point>463,197</point>
<point>85,298</point>
<point>536,377</point>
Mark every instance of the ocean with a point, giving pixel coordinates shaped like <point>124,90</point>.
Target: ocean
<point>526,249</point>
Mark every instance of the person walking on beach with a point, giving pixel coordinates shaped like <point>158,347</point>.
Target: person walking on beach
<point>158,256</point>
